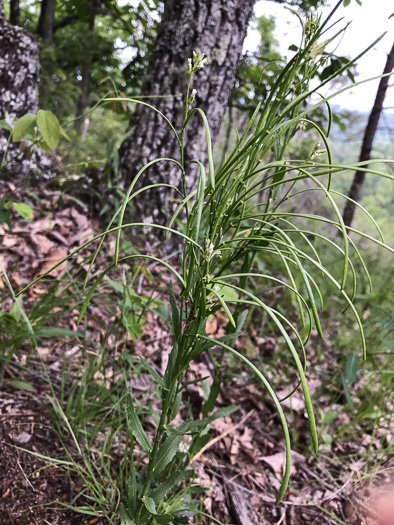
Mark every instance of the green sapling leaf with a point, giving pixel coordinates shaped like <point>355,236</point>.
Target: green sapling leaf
<point>5,125</point>
<point>43,145</point>
<point>24,127</point>
<point>23,209</point>
<point>64,134</point>
<point>49,127</point>
<point>135,329</point>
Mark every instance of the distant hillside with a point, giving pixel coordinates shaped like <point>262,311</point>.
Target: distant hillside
<point>355,125</point>
<point>346,143</point>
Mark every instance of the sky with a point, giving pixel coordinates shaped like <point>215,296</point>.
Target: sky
<point>368,22</point>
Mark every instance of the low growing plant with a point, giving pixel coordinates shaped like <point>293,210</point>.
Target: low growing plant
<point>232,216</point>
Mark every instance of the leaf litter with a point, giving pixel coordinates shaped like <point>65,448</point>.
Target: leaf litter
<point>242,467</point>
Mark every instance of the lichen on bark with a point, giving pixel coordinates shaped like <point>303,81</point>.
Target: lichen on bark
<point>216,28</point>
<point>19,83</point>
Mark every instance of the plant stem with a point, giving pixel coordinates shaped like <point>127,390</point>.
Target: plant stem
<point>155,448</point>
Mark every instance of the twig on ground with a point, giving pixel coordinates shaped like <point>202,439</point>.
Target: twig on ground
<point>222,435</point>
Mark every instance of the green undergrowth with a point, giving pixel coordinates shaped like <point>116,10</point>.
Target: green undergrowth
<point>251,252</point>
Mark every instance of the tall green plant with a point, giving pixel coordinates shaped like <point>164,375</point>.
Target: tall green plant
<point>233,215</point>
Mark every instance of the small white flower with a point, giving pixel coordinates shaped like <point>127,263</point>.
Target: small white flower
<point>192,96</point>
<point>210,251</point>
<point>318,49</point>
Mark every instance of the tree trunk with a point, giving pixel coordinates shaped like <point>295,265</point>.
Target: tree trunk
<point>19,79</point>
<point>83,99</point>
<point>369,135</point>
<point>47,20</point>
<point>14,12</point>
<point>216,28</point>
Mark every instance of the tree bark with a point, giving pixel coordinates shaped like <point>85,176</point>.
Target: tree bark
<point>369,135</point>
<point>19,79</point>
<point>47,20</point>
<point>14,12</point>
<point>216,28</point>
<point>83,99</point>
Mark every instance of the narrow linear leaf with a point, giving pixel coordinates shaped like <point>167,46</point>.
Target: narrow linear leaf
<point>164,518</point>
<point>179,208</point>
<point>225,307</point>
<point>351,368</point>
<point>209,148</point>
<point>290,345</point>
<point>159,493</point>
<point>199,202</point>
<point>124,516</point>
<point>176,320</point>
<point>347,392</point>
<point>55,331</point>
<point>153,372</point>
<point>132,484</point>
<point>169,448</point>
<point>91,292</point>
<point>21,385</point>
<point>150,505</point>
<point>134,424</point>
<point>170,370</point>
<point>279,408</point>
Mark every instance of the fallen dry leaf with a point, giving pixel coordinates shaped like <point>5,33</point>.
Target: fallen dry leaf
<point>16,279</point>
<point>211,326</point>
<point>54,256</point>
<point>22,438</point>
<point>37,292</point>
<point>6,493</point>
<point>278,461</point>
<point>221,317</point>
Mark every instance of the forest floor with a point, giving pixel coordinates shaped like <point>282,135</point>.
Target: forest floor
<point>242,464</point>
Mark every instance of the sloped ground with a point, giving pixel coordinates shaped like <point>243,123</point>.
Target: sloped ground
<point>242,464</point>
<point>30,486</point>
